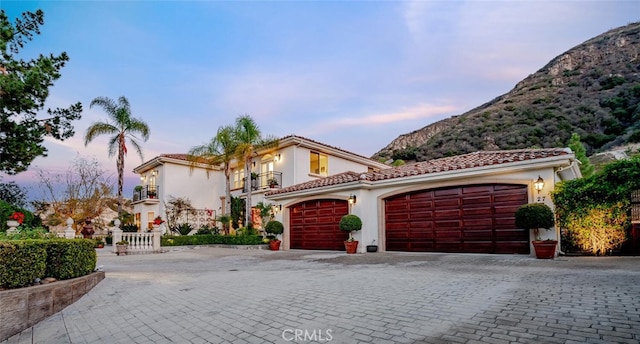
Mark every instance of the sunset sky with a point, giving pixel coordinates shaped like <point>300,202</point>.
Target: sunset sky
<point>352,74</point>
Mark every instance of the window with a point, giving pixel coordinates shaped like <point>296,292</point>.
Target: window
<point>238,176</point>
<point>150,216</point>
<point>266,172</point>
<point>319,164</point>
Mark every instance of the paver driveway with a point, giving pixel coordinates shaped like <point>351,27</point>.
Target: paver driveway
<point>213,295</point>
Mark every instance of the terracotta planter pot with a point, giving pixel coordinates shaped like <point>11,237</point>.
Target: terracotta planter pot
<point>351,246</point>
<point>274,245</point>
<point>545,249</point>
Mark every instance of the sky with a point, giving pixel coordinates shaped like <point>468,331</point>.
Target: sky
<point>351,74</point>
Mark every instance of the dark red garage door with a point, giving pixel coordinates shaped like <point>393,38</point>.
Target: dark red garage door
<point>473,218</point>
<point>314,224</point>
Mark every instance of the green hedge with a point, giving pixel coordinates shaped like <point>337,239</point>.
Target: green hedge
<point>70,258</point>
<point>22,261</point>
<point>209,239</point>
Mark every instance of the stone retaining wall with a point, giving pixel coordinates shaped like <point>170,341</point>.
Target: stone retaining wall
<point>25,307</point>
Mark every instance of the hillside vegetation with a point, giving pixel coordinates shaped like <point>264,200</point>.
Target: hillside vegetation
<point>592,90</point>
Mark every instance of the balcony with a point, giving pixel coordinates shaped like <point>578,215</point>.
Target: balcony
<point>265,180</point>
<point>148,194</point>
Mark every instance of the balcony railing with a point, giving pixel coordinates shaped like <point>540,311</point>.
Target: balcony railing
<point>265,180</point>
<point>147,192</point>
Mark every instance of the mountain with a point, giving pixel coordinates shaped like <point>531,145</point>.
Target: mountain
<point>592,89</point>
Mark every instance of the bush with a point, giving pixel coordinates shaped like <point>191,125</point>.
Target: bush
<point>129,228</point>
<point>25,232</point>
<point>22,262</point>
<point>274,227</point>
<point>70,258</point>
<point>208,239</point>
<point>208,230</point>
<point>350,223</point>
<point>534,216</point>
<point>600,230</point>
<point>183,229</point>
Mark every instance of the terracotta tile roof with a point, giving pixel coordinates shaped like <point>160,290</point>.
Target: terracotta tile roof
<point>178,156</point>
<point>455,163</point>
<point>324,144</point>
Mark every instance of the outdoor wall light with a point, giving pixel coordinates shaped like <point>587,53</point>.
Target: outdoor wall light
<point>352,199</point>
<point>277,157</point>
<point>142,178</point>
<point>154,173</point>
<point>538,184</point>
<point>276,208</point>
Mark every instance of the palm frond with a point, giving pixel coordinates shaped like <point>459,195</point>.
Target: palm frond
<point>97,129</point>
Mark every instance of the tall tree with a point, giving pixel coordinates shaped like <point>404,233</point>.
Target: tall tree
<point>219,151</point>
<point>249,139</point>
<point>24,88</point>
<point>586,168</point>
<point>122,126</point>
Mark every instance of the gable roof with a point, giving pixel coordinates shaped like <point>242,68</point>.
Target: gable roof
<point>284,142</point>
<point>480,159</point>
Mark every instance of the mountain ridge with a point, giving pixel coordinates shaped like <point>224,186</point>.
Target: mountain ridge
<point>592,89</point>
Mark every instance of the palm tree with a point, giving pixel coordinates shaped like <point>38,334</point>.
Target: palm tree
<point>249,139</point>
<point>122,126</point>
<point>220,150</point>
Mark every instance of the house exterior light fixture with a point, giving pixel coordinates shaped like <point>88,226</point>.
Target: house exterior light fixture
<point>538,184</point>
<point>277,157</point>
<point>352,199</point>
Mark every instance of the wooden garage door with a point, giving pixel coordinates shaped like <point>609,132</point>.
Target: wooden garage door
<point>314,224</point>
<point>473,218</point>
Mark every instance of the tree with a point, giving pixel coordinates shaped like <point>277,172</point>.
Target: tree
<point>24,88</point>
<point>12,193</point>
<point>249,139</point>
<point>586,168</point>
<point>220,150</point>
<point>84,190</point>
<point>122,126</point>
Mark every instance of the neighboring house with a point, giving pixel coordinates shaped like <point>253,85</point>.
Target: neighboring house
<point>463,203</point>
<point>296,160</point>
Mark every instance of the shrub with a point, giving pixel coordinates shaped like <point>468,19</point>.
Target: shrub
<point>274,227</point>
<point>534,216</point>
<point>208,239</point>
<point>205,229</point>
<point>21,262</point>
<point>350,223</point>
<point>183,228</point>
<point>129,228</point>
<point>600,230</point>
<point>25,232</point>
<point>70,258</point>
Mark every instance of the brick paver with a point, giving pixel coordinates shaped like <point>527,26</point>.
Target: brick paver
<point>213,295</point>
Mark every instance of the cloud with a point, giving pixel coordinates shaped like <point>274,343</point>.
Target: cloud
<point>416,112</point>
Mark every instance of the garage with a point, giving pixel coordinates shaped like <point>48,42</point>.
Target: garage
<point>472,218</point>
<point>314,224</point>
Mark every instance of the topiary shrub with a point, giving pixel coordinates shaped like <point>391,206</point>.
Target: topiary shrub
<point>350,223</point>
<point>534,216</point>
<point>208,239</point>
<point>274,228</point>
<point>70,258</point>
<point>21,262</point>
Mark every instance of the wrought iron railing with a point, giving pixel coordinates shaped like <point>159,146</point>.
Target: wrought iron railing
<point>265,180</point>
<point>145,192</point>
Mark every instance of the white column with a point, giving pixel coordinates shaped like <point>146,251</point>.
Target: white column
<point>116,234</point>
<point>69,233</point>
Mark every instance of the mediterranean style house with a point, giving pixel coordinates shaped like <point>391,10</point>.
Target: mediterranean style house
<point>296,160</point>
<point>464,203</point>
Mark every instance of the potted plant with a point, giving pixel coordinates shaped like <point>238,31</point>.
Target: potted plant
<point>535,216</point>
<point>272,182</point>
<point>350,223</point>
<point>121,247</point>
<point>274,228</point>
